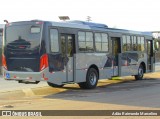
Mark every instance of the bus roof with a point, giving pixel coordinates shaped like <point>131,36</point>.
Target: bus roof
<point>90,26</point>
<point>96,26</point>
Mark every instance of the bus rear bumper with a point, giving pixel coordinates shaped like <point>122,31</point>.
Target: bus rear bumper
<point>25,76</point>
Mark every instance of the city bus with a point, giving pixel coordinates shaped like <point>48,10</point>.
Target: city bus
<point>74,52</point>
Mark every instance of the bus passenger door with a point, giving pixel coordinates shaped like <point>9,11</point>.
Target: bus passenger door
<point>116,50</point>
<point>150,55</point>
<point>68,49</point>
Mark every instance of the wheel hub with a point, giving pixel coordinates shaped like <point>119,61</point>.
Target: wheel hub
<point>92,78</point>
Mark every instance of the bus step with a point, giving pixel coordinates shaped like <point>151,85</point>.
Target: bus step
<point>70,82</point>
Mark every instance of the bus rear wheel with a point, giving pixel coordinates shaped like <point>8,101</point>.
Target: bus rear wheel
<point>54,85</point>
<point>91,79</point>
<point>140,73</point>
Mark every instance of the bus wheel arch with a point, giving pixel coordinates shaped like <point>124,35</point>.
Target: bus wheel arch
<point>54,85</point>
<point>141,71</point>
<point>94,67</point>
<point>92,77</point>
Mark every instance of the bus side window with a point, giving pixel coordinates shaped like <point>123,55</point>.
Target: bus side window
<point>134,43</point>
<point>63,46</point>
<point>54,44</point>
<point>85,41</point>
<point>89,41</point>
<point>101,42</point>
<point>124,43</point>
<point>81,41</point>
<point>142,44</point>
<point>70,46</point>
<point>104,42</point>
<point>128,43</point>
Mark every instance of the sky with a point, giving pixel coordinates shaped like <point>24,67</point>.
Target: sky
<point>139,15</point>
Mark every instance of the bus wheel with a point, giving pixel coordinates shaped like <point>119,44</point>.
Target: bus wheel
<point>54,85</point>
<point>91,79</point>
<point>140,73</point>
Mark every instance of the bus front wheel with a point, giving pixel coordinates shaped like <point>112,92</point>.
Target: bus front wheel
<point>91,79</point>
<point>140,74</point>
<point>54,85</point>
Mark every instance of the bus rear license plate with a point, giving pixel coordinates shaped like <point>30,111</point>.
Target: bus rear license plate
<point>7,75</point>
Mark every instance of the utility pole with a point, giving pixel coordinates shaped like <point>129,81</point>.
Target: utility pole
<point>89,18</point>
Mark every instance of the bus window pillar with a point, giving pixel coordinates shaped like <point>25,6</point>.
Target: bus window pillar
<point>119,64</point>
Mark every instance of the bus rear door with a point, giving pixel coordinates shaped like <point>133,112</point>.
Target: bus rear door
<point>116,50</point>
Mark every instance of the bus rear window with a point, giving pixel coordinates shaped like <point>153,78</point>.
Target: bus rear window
<point>27,36</point>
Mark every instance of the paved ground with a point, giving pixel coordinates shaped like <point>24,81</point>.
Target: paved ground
<point>9,85</point>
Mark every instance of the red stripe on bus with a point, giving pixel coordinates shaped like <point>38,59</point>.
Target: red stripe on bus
<point>45,78</point>
<point>30,78</point>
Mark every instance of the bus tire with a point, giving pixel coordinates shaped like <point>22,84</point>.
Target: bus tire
<point>140,73</point>
<point>55,85</point>
<point>91,79</point>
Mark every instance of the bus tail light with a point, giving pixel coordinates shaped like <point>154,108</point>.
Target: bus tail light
<point>4,64</point>
<point>43,62</point>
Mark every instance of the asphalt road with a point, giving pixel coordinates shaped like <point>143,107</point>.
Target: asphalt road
<point>144,93</point>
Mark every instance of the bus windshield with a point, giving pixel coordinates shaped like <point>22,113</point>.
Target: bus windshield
<point>23,37</point>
